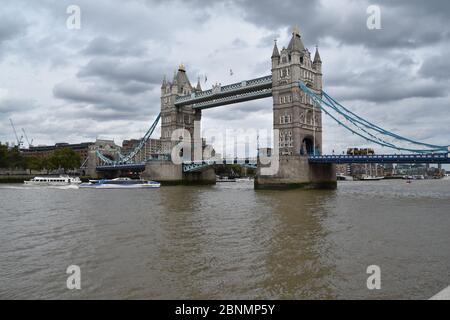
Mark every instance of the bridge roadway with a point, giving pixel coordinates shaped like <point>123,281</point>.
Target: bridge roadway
<point>378,158</point>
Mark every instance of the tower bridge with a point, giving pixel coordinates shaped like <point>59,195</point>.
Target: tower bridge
<point>295,85</point>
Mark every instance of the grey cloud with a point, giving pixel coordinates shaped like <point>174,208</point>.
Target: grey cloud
<point>123,70</point>
<point>103,103</point>
<point>433,7</point>
<point>11,26</point>
<point>76,94</point>
<point>102,45</point>
<point>239,43</point>
<point>385,92</point>
<point>437,67</point>
<point>383,81</point>
<point>402,25</point>
<point>133,88</point>
<point>13,105</point>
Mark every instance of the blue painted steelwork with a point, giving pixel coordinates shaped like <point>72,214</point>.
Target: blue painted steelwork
<point>383,158</point>
<point>240,97</point>
<point>377,128</point>
<point>365,125</point>
<point>237,92</point>
<point>126,166</point>
<point>129,157</point>
<point>199,165</point>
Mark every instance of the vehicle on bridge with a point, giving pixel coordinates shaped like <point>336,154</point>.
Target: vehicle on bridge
<point>360,152</point>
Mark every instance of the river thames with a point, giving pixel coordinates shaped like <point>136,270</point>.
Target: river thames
<point>226,241</point>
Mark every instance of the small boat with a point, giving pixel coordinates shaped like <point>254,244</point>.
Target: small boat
<point>225,179</point>
<point>342,177</point>
<point>120,183</point>
<point>371,178</point>
<point>62,180</point>
<point>247,179</point>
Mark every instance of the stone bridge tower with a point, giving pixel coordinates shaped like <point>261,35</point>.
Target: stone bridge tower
<point>173,117</point>
<point>298,121</point>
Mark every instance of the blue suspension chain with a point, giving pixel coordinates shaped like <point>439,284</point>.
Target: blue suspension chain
<point>321,102</point>
<point>131,155</point>
<point>379,129</point>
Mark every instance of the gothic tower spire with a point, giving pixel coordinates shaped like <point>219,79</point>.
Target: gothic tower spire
<point>275,53</point>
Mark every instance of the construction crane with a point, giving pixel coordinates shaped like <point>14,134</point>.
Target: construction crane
<point>19,141</point>
<point>30,144</point>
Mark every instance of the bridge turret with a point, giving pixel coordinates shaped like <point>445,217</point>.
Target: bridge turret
<point>317,59</point>
<point>174,85</point>
<point>198,88</point>
<point>296,44</point>
<point>275,55</point>
<point>317,65</point>
<point>163,86</point>
<point>298,122</point>
<point>173,117</point>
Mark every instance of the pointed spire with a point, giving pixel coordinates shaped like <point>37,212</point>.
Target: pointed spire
<point>180,79</point>
<point>199,87</point>
<point>296,43</point>
<point>317,56</point>
<point>275,53</point>
<point>164,83</point>
<point>174,77</point>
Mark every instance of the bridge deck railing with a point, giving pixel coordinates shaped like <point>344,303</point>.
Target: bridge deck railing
<point>234,87</point>
<point>387,158</point>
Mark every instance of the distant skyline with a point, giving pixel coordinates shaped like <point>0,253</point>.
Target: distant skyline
<point>103,80</point>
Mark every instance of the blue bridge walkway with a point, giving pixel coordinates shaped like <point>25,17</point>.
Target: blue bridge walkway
<point>378,158</point>
<point>383,158</point>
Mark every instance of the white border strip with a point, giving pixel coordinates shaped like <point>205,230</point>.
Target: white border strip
<point>443,295</point>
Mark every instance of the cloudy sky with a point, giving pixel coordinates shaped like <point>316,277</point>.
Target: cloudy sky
<point>103,80</point>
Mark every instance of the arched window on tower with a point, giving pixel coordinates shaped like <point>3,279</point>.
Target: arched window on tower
<point>302,117</point>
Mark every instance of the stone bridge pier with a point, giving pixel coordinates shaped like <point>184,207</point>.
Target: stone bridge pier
<point>295,171</point>
<point>169,173</point>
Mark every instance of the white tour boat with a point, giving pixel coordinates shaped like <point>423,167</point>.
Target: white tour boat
<point>62,180</point>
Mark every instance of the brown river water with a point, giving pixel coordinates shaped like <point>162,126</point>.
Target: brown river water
<point>226,241</point>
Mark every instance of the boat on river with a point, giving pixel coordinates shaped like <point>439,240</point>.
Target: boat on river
<point>225,179</point>
<point>62,180</point>
<point>371,178</point>
<point>120,183</point>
